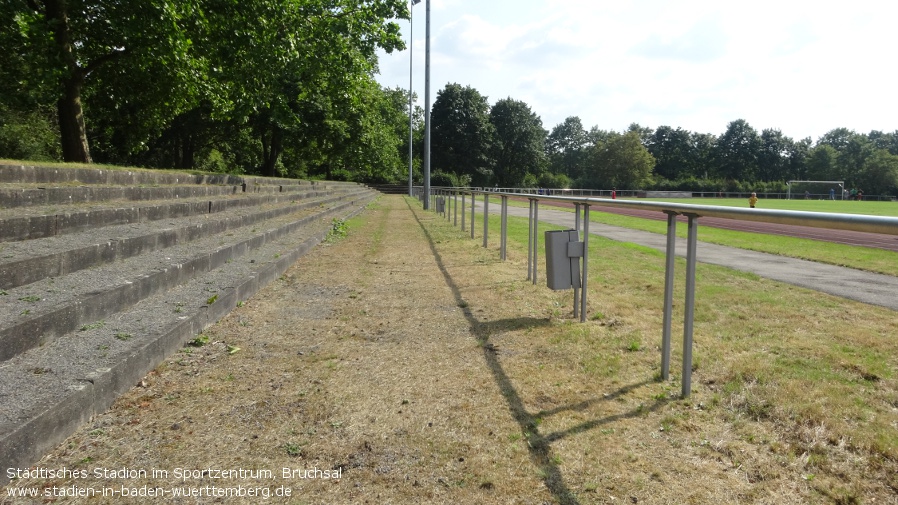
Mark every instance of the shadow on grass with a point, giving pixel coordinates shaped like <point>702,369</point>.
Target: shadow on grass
<point>539,444</point>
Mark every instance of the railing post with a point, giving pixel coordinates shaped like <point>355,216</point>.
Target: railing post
<point>463,212</point>
<point>473,201</point>
<point>668,293</point>
<point>535,229</point>
<point>530,242</point>
<point>503,239</point>
<point>486,218</point>
<point>691,243</point>
<point>585,274</point>
<point>455,207</point>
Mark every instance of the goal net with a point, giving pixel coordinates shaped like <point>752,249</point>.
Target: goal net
<point>816,190</point>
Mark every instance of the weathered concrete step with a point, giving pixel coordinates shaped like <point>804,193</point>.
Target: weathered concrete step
<point>113,176</point>
<point>39,222</point>
<point>28,195</point>
<point>41,312</point>
<point>25,262</point>
<point>47,392</point>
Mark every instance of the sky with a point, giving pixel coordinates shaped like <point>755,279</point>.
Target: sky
<point>802,67</point>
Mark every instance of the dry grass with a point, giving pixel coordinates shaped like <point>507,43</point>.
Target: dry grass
<point>427,371</point>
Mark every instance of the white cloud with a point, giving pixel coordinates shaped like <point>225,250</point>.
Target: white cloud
<point>802,67</point>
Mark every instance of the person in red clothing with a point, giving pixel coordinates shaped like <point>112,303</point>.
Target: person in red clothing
<point>613,193</point>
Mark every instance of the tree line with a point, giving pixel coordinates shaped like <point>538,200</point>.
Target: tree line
<point>506,145</point>
<point>288,88</point>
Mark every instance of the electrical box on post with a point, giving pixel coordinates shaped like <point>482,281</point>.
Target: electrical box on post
<point>563,253</point>
<point>441,205</point>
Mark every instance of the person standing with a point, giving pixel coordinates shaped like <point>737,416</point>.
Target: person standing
<point>752,200</point>
<point>832,194</point>
<point>613,193</point>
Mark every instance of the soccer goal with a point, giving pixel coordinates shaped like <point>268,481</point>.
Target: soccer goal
<point>815,190</point>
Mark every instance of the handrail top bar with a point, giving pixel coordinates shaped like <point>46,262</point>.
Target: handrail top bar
<point>830,220</point>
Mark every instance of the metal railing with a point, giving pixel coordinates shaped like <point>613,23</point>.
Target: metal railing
<point>854,222</point>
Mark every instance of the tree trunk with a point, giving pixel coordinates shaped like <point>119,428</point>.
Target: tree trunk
<point>71,124</point>
<point>71,117</point>
<point>271,150</point>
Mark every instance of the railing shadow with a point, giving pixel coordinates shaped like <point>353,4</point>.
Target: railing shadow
<point>539,445</point>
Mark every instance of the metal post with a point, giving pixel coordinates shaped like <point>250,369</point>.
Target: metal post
<point>486,218</point>
<point>691,243</point>
<point>455,207</point>
<point>473,201</point>
<point>577,219</point>
<point>463,212</point>
<point>535,238</point>
<point>411,39</point>
<point>503,240</point>
<point>668,293</point>
<point>530,242</point>
<point>427,112</point>
<point>585,274</point>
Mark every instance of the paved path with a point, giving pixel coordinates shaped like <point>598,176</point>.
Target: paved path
<point>866,287</point>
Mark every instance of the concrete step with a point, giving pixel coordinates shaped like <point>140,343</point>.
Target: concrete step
<point>41,311</point>
<point>28,261</point>
<point>47,392</point>
<point>99,282</point>
<point>35,222</point>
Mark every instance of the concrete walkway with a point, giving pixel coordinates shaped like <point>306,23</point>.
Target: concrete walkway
<point>865,287</point>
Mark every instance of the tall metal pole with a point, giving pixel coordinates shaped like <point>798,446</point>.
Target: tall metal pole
<point>689,309</point>
<point>427,111</point>
<point>411,41</point>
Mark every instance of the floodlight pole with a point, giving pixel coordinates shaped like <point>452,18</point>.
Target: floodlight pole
<point>411,137</point>
<point>427,113</point>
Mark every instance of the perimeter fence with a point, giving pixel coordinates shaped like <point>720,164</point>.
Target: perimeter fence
<point>452,201</point>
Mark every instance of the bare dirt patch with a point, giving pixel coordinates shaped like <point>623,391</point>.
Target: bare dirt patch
<point>404,363</point>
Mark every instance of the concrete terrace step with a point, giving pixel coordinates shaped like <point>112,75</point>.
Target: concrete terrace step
<point>51,220</point>
<point>104,273</point>
<point>46,393</point>
<point>24,262</point>
<point>39,312</point>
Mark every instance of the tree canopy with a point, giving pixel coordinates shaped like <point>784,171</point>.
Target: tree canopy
<point>287,87</point>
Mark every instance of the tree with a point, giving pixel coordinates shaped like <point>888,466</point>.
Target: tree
<point>836,138</point>
<point>566,148</point>
<point>702,154</point>
<point>822,163</point>
<point>798,157</point>
<point>736,152</point>
<point>461,133</point>
<point>621,161</point>
<point>879,174</point>
<point>673,152</point>
<point>299,71</point>
<point>519,147</point>
<point>135,51</point>
<point>773,155</point>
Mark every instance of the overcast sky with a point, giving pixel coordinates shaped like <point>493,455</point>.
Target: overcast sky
<point>803,67</point>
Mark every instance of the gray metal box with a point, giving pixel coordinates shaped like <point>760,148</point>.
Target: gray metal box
<point>563,253</point>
